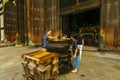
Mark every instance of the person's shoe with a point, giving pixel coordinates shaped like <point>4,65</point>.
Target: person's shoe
<point>74,71</point>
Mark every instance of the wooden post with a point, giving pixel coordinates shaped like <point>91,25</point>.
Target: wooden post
<point>109,28</point>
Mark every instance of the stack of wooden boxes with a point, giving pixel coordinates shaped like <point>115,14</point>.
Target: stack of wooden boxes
<point>40,65</point>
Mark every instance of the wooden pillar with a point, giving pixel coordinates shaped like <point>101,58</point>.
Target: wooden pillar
<point>117,23</point>
<point>25,22</point>
<point>118,19</point>
<point>20,21</point>
<point>56,17</point>
<point>109,28</point>
<point>60,26</point>
<point>52,11</point>
<point>35,21</point>
<point>1,21</point>
<point>28,18</point>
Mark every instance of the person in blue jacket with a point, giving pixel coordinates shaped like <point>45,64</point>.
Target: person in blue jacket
<point>46,37</point>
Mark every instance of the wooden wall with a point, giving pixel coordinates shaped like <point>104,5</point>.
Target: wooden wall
<point>30,19</point>
<point>35,20</point>
<point>110,22</point>
<point>52,16</point>
<point>41,16</point>
<point>26,21</point>
<point>21,27</point>
<point>10,21</point>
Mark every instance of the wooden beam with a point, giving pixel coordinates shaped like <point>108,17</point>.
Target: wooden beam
<point>83,6</point>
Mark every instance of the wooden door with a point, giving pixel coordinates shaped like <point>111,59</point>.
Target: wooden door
<point>10,21</point>
<point>35,13</point>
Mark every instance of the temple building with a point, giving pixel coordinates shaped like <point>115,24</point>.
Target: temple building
<point>39,39</point>
<point>26,21</point>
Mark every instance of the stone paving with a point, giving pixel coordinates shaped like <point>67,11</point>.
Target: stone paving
<point>94,65</point>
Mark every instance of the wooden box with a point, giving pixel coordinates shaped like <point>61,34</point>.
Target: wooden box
<point>41,65</point>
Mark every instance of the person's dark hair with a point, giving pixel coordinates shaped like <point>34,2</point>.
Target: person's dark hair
<point>74,36</point>
<point>79,33</point>
<point>49,30</point>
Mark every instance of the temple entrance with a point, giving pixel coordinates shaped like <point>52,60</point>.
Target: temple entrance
<point>88,22</point>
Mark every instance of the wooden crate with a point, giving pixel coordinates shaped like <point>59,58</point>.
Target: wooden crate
<point>40,65</point>
<point>55,69</point>
<point>45,75</point>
